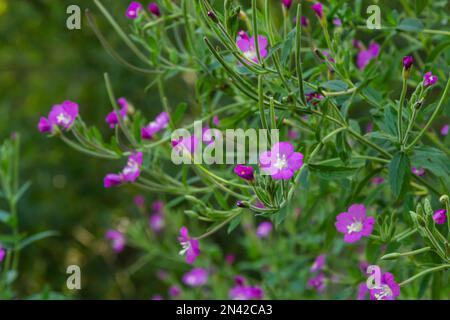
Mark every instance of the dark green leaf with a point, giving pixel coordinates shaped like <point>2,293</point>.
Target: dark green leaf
<point>331,172</point>
<point>410,24</point>
<point>36,237</point>
<point>399,173</point>
<point>234,223</point>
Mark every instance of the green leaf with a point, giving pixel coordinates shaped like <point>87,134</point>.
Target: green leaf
<point>36,237</point>
<point>410,24</point>
<point>331,172</point>
<point>399,173</point>
<point>390,120</point>
<point>335,85</point>
<point>438,50</point>
<point>180,110</point>
<point>343,148</point>
<point>234,223</point>
<point>433,160</point>
<point>420,6</point>
<point>4,216</point>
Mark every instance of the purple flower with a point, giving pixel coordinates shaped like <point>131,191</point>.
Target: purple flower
<point>304,21</point>
<point>154,9</point>
<point>117,240</point>
<point>129,174</point>
<point>242,292</point>
<point>388,289</point>
<point>281,161</point>
<point>190,247</point>
<point>248,47</point>
<point>229,258</point>
<point>139,200</point>
<point>314,97</point>
<point>189,144</point>
<point>440,216</point>
<point>318,264</point>
<point>264,229</point>
<point>2,253</point>
<point>408,62</point>
<point>156,222</point>
<point>429,79</point>
<point>157,297</point>
<point>318,9</point>
<point>44,125</point>
<point>113,118</point>
<point>362,291</point>
<point>287,3</point>
<point>354,224</point>
<point>293,135</point>
<point>369,127</point>
<point>377,180</point>
<point>62,115</point>
<point>208,135</point>
<point>365,56</point>
<point>244,172</point>
<point>317,282</point>
<point>418,171</point>
<point>160,122</point>
<point>444,130</point>
<point>133,10</point>
<point>174,291</point>
<point>337,22</point>
<point>196,277</point>
<point>216,121</point>
<point>158,206</point>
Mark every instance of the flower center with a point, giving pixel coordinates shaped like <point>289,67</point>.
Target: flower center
<point>355,227</point>
<point>185,246</point>
<point>63,119</point>
<point>385,291</point>
<point>131,167</point>
<point>281,162</point>
<point>250,55</point>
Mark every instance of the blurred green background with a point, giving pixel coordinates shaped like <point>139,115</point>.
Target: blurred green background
<point>43,63</point>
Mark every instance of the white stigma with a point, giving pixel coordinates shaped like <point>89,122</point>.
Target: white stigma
<point>63,119</point>
<point>250,55</point>
<point>355,227</point>
<point>281,162</point>
<point>185,247</point>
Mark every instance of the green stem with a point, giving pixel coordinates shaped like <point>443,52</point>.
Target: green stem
<point>400,108</point>
<point>298,62</point>
<point>421,274</point>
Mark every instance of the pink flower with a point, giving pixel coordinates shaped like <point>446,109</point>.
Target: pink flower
<point>408,62</point>
<point>2,253</point>
<point>196,277</point>
<point>362,291</point>
<point>444,130</point>
<point>242,292</point>
<point>377,180</point>
<point>216,121</point>
<point>337,22</point>
<point>190,247</point>
<point>418,171</point>
<point>264,229</point>
<point>369,127</point>
<point>317,282</point>
<point>156,222</point>
<point>365,56</point>
<point>117,240</point>
<point>158,206</point>
<point>174,291</point>
<point>248,47</point>
<point>189,144</point>
<point>440,216</point>
<point>113,118</point>
<point>229,258</point>
<point>62,115</point>
<point>319,263</point>
<point>154,9</point>
<point>318,9</point>
<point>293,135</point>
<point>388,289</point>
<point>281,161</point>
<point>139,200</point>
<point>133,10</point>
<point>429,79</point>
<point>244,172</point>
<point>160,122</point>
<point>287,3</point>
<point>354,224</point>
<point>129,174</point>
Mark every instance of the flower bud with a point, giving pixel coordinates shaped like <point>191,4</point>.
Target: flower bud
<point>408,62</point>
<point>212,16</point>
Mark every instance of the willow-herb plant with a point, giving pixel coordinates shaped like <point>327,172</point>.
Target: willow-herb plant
<point>345,125</point>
